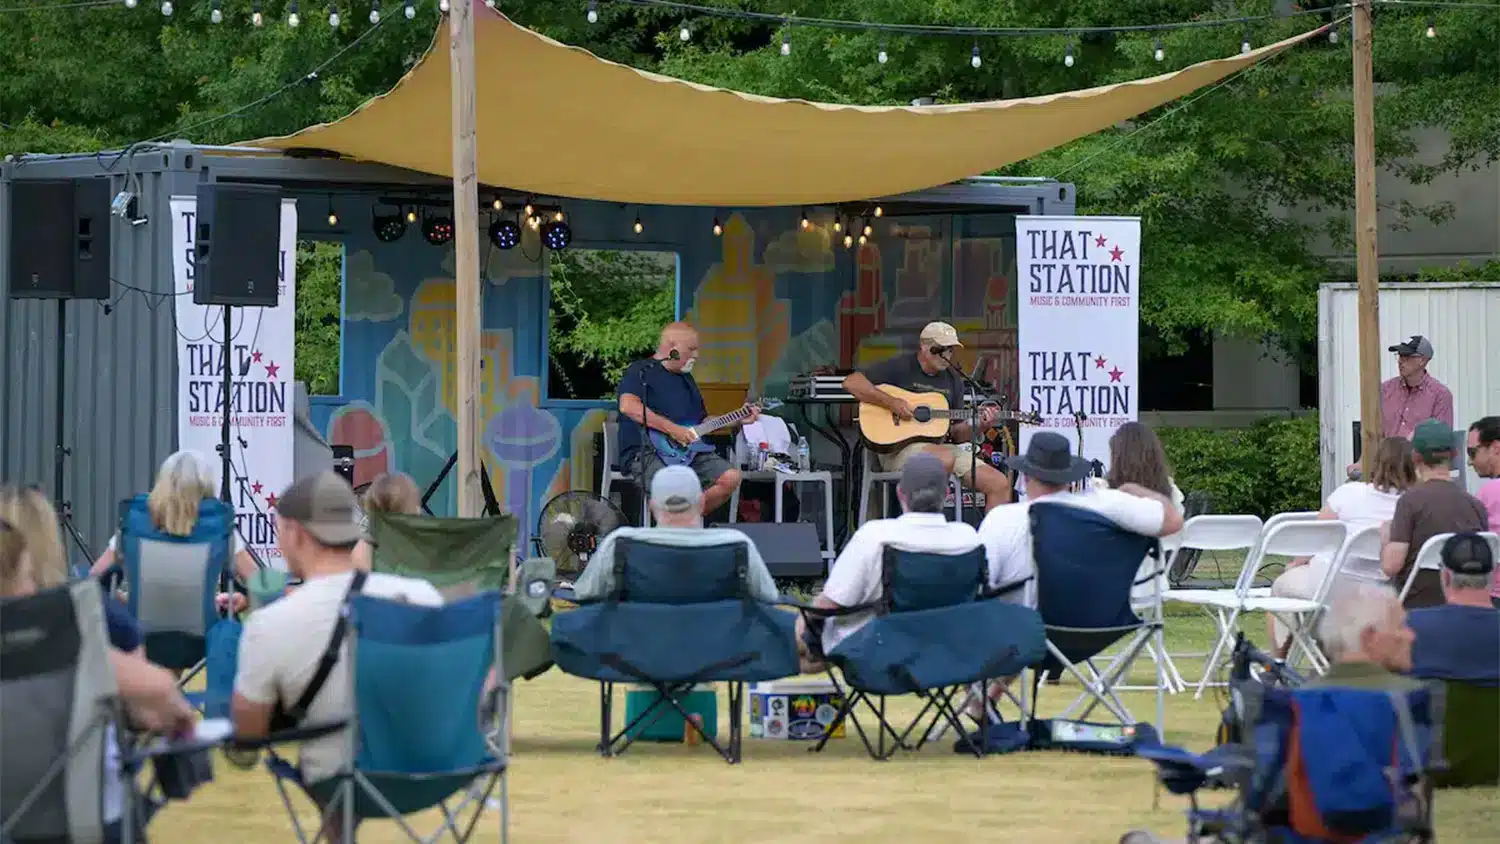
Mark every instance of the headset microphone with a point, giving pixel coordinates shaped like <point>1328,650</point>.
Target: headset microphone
<point>674,355</point>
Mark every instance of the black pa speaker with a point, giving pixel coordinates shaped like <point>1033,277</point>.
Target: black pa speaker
<point>791,549</point>
<point>237,254</point>
<point>59,239</point>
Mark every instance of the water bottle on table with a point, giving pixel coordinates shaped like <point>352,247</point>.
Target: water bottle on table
<point>761,456</point>
<point>804,455</point>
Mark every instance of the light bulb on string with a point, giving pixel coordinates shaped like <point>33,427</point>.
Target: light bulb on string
<point>557,216</point>
<point>867,230</point>
<point>1245,43</point>
<point>216,14</point>
<point>882,56</point>
<point>131,4</point>
<point>530,209</point>
<point>848,240</point>
<point>718,229</point>
<point>333,17</point>
<point>293,19</point>
<point>1068,54</point>
<point>879,212</point>
<point>1333,35</point>
<point>333,216</point>
<point>490,3</point>
<point>256,17</point>
<point>443,6</point>
<point>1431,27</point>
<point>375,13</point>
<point>638,227</point>
<point>685,34</point>
<point>838,225</point>
<point>805,223</point>
<point>411,215</point>
<point>497,204</point>
<point>593,14</point>
<point>166,8</point>
<point>1158,53</point>
<point>786,43</point>
<point>974,60</point>
<point>863,239</point>
<point>411,10</point>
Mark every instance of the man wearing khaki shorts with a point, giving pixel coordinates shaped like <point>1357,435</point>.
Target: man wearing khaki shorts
<point>930,370</point>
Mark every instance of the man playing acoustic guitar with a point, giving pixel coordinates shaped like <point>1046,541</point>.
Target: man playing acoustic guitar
<point>930,370</point>
<point>666,383</point>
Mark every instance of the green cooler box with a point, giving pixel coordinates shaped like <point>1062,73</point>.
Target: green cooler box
<point>665,722</point>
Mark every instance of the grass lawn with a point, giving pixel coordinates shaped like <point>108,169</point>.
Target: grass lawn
<point>562,791</point>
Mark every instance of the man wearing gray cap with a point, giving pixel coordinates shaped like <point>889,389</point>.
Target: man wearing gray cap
<point>1413,396</point>
<point>317,528</point>
<point>677,504</point>
<point>856,575</point>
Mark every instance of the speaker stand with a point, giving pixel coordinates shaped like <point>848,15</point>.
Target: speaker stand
<point>226,464</point>
<point>61,452</point>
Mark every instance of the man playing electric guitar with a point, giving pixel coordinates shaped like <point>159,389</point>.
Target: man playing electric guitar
<point>666,384</point>
<point>930,370</point>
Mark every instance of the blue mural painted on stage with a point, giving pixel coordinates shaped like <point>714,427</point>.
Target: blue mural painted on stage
<point>770,299</point>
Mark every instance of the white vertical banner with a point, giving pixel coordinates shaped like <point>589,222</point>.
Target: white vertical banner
<point>260,357</point>
<point>1078,327</point>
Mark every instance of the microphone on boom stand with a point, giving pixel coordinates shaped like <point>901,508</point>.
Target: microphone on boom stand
<point>980,391</point>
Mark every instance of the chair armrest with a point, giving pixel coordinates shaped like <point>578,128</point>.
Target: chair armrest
<point>1005,588</point>
<point>566,593</point>
<point>821,613</point>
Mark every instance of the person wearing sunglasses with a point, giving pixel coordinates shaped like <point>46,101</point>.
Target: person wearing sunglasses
<point>1484,457</point>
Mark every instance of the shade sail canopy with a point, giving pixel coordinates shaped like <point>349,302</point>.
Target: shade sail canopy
<point>555,120</point>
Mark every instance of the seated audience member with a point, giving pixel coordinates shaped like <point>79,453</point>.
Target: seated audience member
<point>283,642</point>
<point>149,693</point>
<point>1365,635</point>
<point>1460,640</point>
<point>1459,644</point>
<point>1484,457</point>
<point>1434,505</point>
<point>1136,457</point>
<point>1359,504</point>
<point>1050,468</point>
<point>389,493</point>
<point>856,575</point>
<point>182,483</point>
<point>677,505</point>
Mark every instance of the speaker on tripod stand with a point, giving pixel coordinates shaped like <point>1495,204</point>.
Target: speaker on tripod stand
<point>59,250</point>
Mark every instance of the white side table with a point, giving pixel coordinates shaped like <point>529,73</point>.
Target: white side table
<point>780,480</point>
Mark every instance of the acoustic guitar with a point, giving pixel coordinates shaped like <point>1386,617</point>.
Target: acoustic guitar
<point>674,453</point>
<point>931,420</point>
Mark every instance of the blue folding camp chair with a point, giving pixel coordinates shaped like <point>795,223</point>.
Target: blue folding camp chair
<point>678,616</point>
<point>422,729</point>
<point>936,630</point>
<point>172,582</point>
<point>1085,568</point>
<point>1321,764</point>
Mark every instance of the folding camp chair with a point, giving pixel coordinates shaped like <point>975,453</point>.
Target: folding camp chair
<point>678,616</point>
<point>1085,568</point>
<point>421,731</point>
<point>1315,765</point>
<point>936,629</point>
<point>172,582</point>
<point>462,557</point>
<point>1287,538</point>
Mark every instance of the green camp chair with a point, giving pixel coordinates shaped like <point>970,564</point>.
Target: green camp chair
<point>464,556</point>
<point>1471,736</point>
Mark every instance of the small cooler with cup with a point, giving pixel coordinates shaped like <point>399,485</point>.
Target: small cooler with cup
<point>796,709</point>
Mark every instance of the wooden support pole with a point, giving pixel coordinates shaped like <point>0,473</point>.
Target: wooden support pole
<point>466,254</point>
<point>1365,223</point>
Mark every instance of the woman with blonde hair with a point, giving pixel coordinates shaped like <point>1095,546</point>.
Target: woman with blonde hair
<point>1358,504</point>
<point>182,484</point>
<point>34,522</point>
<point>393,492</point>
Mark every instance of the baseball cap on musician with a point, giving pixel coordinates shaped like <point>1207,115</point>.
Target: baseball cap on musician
<point>1417,346</point>
<point>939,334</point>
<point>325,506</point>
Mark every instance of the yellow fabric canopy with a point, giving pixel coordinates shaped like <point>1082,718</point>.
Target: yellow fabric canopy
<point>555,120</point>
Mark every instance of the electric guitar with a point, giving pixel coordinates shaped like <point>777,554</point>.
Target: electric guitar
<point>931,419</point>
<point>674,453</point>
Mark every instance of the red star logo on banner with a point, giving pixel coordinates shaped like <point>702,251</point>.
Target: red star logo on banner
<point>255,356</point>
<point>1114,374</point>
<point>271,501</point>
<point>1115,253</point>
<point>1100,241</point>
<point>256,488</point>
<point>271,369</point>
<point>1099,362</point>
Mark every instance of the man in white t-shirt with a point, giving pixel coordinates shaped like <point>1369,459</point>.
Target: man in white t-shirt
<point>317,528</point>
<point>856,575</point>
<point>1050,468</point>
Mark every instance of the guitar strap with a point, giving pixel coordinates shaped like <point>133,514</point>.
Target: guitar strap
<point>697,396</point>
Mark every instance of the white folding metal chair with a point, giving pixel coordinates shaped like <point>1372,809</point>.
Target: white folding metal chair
<point>872,476</point>
<point>1362,556</point>
<point>1300,615</point>
<point>1289,538</point>
<point>614,473</point>
<point>1431,556</point>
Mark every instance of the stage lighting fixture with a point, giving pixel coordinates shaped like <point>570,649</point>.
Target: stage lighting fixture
<point>505,234</point>
<point>389,228</point>
<point>411,215</point>
<point>438,230</point>
<point>557,235</point>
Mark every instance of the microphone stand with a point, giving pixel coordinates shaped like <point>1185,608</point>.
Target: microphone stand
<point>982,392</point>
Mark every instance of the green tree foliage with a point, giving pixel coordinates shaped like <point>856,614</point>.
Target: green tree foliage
<point>320,277</point>
<point>607,309</point>
<point>1212,176</point>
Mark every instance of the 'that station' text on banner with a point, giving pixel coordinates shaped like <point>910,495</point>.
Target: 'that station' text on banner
<point>261,345</point>
<point>1078,295</point>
